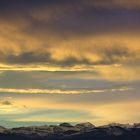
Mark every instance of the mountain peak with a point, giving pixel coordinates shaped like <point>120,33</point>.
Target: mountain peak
<point>85,126</point>
<point>2,129</point>
<point>137,125</point>
<point>66,124</point>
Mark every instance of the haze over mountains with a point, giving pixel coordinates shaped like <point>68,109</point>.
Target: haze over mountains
<point>66,131</point>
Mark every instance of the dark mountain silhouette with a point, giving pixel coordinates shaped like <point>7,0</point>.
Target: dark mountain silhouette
<point>65,131</point>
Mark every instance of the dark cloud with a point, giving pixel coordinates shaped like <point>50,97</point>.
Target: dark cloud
<point>115,54</point>
<point>70,17</point>
<point>6,102</point>
<point>108,56</point>
<point>28,58</point>
<point>64,16</point>
<point>31,28</point>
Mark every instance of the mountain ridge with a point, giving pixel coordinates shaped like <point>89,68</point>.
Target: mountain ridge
<point>66,131</point>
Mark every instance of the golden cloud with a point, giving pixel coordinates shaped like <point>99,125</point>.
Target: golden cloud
<point>57,41</point>
<point>62,91</point>
<point>112,54</point>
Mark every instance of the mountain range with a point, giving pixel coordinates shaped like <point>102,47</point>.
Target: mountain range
<point>66,131</point>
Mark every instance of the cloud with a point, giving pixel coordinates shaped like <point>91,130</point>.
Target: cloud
<point>6,102</point>
<point>70,36</point>
<point>115,3</point>
<point>61,91</point>
<point>99,106</point>
<point>89,51</point>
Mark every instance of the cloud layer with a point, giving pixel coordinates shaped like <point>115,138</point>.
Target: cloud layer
<point>70,60</point>
<point>70,35</point>
<point>61,91</point>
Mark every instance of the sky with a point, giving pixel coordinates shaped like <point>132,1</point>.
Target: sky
<point>69,61</point>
